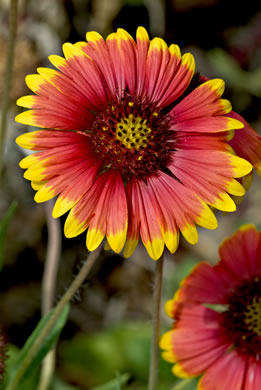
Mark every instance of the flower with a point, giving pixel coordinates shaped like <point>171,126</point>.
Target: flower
<point>129,146</point>
<point>217,312</point>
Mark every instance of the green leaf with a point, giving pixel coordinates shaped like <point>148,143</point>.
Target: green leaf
<point>115,384</point>
<point>3,229</point>
<point>30,383</point>
<point>46,346</point>
<point>216,307</point>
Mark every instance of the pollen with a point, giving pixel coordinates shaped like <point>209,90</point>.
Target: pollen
<point>133,132</point>
<point>241,323</point>
<point>253,316</point>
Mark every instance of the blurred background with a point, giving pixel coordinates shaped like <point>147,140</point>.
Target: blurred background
<point>108,330</point>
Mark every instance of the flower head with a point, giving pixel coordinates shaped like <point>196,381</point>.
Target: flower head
<point>131,147</point>
<point>217,312</point>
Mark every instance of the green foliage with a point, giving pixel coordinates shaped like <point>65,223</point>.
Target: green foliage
<point>92,360</point>
<point>238,79</point>
<point>30,383</point>
<point>4,222</point>
<point>46,346</point>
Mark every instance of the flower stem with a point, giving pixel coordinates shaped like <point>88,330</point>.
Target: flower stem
<point>8,77</point>
<point>48,286</point>
<point>52,320</point>
<point>154,360</point>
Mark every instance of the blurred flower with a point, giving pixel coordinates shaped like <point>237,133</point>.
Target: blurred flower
<point>132,148</point>
<point>217,312</point>
<point>247,143</point>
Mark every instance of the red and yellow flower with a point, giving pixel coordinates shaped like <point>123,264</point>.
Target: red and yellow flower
<point>129,145</point>
<point>217,313</point>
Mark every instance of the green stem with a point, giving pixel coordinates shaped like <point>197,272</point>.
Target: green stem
<point>154,360</point>
<point>181,385</point>
<point>8,77</point>
<point>56,313</point>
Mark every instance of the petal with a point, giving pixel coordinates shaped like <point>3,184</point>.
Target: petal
<point>127,54</point>
<point>194,141</point>
<point>116,223</point>
<point>81,175</point>
<point>97,49</point>
<point>85,74</point>
<point>159,217</point>
<point>175,83</point>
<point>133,232</point>
<point>227,373</point>
<point>143,43</point>
<point>210,181</point>
<point>75,189</point>
<point>167,223</point>
<point>201,102</point>
<point>68,153</point>
<point>196,351</point>
<point>194,316</point>
<point>253,375</point>
<point>97,210</point>
<point>113,47</point>
<point>186,208</point>
<point>207,124</point>
<point>47,139</point>
<point>144,210</point>
<point>197,287</point>
<point>242,246</point>
<point>61,102</point>
<point>156,65</point>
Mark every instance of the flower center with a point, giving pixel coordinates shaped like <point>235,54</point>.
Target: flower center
<point>242,321</point>
<point>133,137</point>
<point>253,316</point>
<point>133,132</point>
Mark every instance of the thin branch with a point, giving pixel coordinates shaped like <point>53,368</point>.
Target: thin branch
<point>154,359</point>
<point>8,77</point>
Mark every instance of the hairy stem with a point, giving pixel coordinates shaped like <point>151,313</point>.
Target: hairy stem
<point>8,77</point>
<point>154,360</point>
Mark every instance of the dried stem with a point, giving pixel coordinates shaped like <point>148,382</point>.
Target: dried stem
<point>8,77</point>
<point>154,360</point>
<point>48,286</point>
<point>52,259</point>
